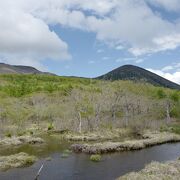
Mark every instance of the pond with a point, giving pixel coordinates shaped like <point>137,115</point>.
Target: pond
<point>79,167</point>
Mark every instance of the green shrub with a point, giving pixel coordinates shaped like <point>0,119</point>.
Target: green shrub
<point>50,126</point>
<point>9,135</point>
<point>175,129</point>
<point>31,132</point>
<point>161,94</point>
<point>175,96</point>
<point>95,157</point>
<point>175,112</point>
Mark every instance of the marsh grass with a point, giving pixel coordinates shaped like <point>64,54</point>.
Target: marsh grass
<point>16,160</point>
<point>95,157</point>
<point>156,171</point>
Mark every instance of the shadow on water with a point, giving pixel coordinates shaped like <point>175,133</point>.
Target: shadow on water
<point>79,167</point>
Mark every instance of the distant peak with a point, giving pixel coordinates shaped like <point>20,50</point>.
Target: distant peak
<point>135,73</point>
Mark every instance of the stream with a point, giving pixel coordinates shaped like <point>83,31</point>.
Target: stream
<point>79,167</point>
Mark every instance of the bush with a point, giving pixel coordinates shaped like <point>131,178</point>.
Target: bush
<point>161,94</point>
<point>50,126</point>
<point>175,129</point>
<point>31,132</point>
<point>175,96</point>
<point>95,158</point>
<point>8,135</point>
<point>175,112</point>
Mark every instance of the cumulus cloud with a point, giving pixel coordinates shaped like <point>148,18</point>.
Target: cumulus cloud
<point>25,32</point>
<point>130,22</point>
<point>170,5</point>
<point>27,40</point>
<point>165,72</point>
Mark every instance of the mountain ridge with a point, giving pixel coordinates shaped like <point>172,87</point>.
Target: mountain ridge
<point>135,73</point>
<point>125,72</point>
<point>19,69</point>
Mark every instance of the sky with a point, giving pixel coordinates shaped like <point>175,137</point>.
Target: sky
<point>88,38</point>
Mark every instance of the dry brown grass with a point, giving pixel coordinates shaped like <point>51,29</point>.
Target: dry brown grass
<point>149,139</point>
<point>9,141</point>
<point>15,161</point>
<point>156,171</point>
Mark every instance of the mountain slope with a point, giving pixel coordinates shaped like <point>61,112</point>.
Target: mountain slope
<point>12,69</point>
<point>130,72</point>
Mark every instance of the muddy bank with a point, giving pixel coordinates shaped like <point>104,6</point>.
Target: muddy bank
<point>148,139</point>
<point>16,160</point>
<point>156,171</point>
<point>8,141</point>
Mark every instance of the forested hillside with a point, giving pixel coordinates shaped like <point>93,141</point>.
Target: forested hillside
<point>79,104</point>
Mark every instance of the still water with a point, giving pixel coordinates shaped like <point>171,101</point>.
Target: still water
<point>79,167</point>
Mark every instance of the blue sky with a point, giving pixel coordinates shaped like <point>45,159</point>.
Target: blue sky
<point>89,38</point>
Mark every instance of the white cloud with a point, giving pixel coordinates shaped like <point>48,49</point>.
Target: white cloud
<point>170,5</point>
<point>130,22</point>
<point>174,77</point>
<point>167,68</point>
<point>25,33</point>
<point>27,40</point>
<point>174,67</point>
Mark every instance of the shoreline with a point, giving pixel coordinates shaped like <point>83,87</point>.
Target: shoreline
<point>16,161</point>
<point>148,139</point>
<point>155,171</point>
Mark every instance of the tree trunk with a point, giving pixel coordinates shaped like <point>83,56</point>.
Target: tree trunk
<point>80,123</point>
<point>168,118</point>
<point>126,112</point>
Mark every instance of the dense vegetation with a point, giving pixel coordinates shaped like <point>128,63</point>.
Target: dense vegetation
<point>80,104</point>
<point>130,72</point>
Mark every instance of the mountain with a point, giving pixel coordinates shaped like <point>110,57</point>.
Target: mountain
<point>13,69</point>
<point>130,72</point>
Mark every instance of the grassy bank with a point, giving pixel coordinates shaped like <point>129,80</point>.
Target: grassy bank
<point>156,171</point>
<point>16,161</point>
<point>148,139</point>
<point>14,141</point>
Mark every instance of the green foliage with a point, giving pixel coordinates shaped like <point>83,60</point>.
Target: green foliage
<point>31,132</point>
<point>172,128</point>
<point>8,134</point>
<point>161,94</point>
<point>175,96</point>
<point>95,157</point>
<point>40,99</point>
<point>21,85</point>
<point>176,129</point>
<point>175,112</point>
<point>50,126</point>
